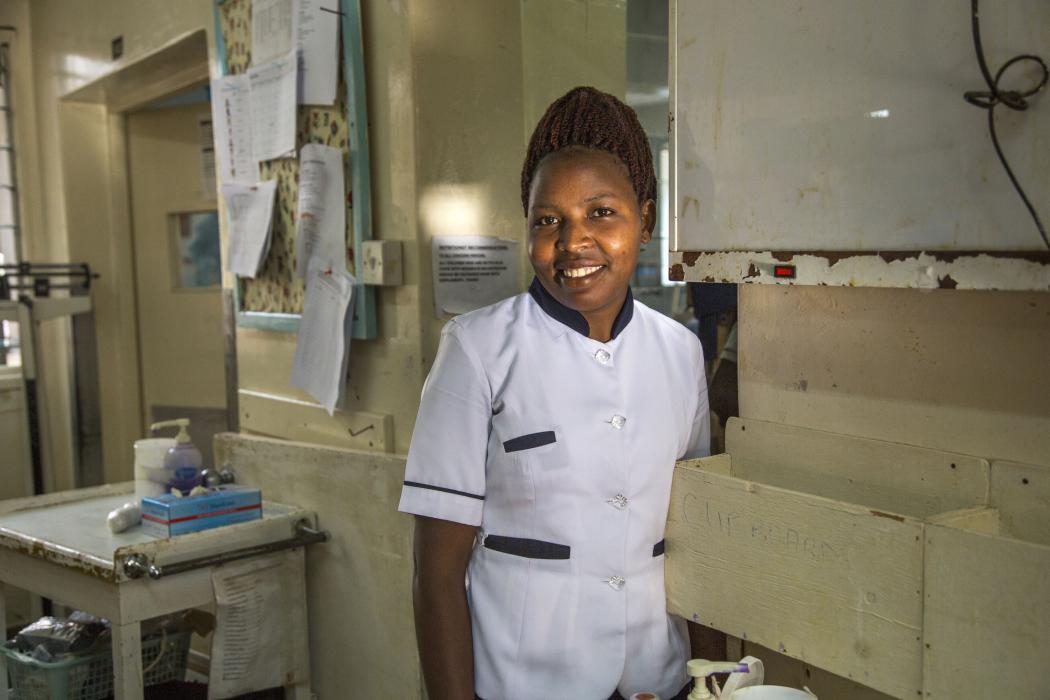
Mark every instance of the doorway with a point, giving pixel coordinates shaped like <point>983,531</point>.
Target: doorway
<point>177,268</point>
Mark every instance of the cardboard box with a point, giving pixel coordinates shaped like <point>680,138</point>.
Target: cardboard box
<point>168,516</point>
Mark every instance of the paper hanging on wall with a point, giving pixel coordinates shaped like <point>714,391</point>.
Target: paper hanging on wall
<point>273,29</point>
<point>473,271</point>
<point>322,350</point>
<point>250,212</point>
<point>318,41</point>
<point>273,107</point>
<point>232,126</point>
<point>321,222</point>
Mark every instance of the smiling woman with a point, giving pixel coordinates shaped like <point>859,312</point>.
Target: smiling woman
<point>547,433</point>
<point>586,227</point>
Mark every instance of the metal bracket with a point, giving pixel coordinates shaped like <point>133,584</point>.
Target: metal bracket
<point>138,565</point>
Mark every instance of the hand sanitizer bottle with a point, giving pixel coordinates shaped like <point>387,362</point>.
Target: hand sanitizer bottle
<point>183,461</point>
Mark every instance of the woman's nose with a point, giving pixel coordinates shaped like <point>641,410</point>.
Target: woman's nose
<point>574,235</point>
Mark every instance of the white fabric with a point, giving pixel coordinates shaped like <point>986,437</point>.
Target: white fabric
<point>562,628</point>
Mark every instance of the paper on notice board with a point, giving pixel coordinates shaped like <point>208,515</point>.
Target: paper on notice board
<point>318,29</point>
<point>473,271</point>
<point>250,212</point>
<point>273,29</point>
<point>257,603</point>
<point>273,107</point>
<point>321,223</point>
<point>232,125</point>
<point>322,349</point>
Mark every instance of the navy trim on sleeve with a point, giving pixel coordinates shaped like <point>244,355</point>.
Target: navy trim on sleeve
<point>659,547</point>
<point>444,490</point>
<point>528,442</point>
<point>573,318</point>
<point>531,549</point>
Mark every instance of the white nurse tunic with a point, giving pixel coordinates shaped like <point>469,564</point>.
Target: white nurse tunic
<point>560,449</point>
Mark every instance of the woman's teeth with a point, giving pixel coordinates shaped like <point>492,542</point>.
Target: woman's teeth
<point>580,271</point>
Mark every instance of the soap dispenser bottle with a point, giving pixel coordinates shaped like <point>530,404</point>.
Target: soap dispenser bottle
<point>183,461</point>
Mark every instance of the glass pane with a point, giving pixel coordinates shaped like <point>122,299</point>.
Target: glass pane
<point>5,167</point>
<point>7,210</point>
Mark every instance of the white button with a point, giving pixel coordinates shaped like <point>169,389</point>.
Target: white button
<point>602,356</point>
<point>618,421</point>
<point>619,501</point>
<point>616,582</point>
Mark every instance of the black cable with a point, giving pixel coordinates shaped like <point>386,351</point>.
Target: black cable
<point>1017,101</point>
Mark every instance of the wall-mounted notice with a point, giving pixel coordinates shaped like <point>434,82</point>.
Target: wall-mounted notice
<point>318,40</point>
<point>473,271</point>
<point>250,212</point>
<point>321,221</point>
<point>232,126</point>
<point>273,29</point>
<point>273,107</point>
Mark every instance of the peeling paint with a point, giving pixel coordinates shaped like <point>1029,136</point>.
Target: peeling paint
<point>891,516</point>
<point>935,270</point>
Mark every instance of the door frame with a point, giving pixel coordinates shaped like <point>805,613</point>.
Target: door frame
<point>93,136</point>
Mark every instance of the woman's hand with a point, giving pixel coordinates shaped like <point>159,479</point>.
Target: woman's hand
<point>442,551</point>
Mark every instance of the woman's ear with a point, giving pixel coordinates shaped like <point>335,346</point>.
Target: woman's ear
<point>648,220</point>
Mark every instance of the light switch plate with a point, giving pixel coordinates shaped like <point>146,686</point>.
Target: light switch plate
<point>381,263</point>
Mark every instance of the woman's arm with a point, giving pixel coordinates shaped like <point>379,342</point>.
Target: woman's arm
<point>442,550</point>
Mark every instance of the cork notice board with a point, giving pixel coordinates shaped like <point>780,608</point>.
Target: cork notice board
<point>274,299</point>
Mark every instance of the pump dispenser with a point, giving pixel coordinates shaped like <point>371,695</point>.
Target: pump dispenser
<point>183,461</point>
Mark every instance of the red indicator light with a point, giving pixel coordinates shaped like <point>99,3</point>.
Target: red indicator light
<point>784,271</point>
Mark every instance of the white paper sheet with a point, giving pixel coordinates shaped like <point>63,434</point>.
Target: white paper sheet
<point>322,349</point>
<point>321,223</point>
<point>473,271</point>
<point>273,107</point>
<point>232,124</point>
<point>256,603</point>
<point>273,29</point>
<point>317,24</point>
<point>250,212</point>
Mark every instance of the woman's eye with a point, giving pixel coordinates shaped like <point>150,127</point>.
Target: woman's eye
<point>603,211</point>
<point>546,221</point>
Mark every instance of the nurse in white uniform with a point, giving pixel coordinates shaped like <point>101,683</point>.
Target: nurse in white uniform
<point>541,461</point>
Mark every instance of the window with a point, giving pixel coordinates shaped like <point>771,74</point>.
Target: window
<point>10,234</point>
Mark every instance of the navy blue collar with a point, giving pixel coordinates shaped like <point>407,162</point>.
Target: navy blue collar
<point>573,318</point>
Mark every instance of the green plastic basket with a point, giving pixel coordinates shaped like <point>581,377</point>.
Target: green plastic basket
<point>90,677</point>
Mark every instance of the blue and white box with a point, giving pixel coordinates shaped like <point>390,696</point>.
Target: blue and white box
<point>168,515</point>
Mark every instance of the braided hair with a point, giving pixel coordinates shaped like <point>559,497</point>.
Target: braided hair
<point>592,119</point>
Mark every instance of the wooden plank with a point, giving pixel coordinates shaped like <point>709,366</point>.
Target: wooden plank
<point>980,519</point>
<point>359,583</point>
<point>1021,492</point>
<point>987,616</point>
<point>887,476</point>
<point>827,582</point>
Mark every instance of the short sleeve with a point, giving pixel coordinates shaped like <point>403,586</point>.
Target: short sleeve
<point>445,474</point>
<point>700,435</point>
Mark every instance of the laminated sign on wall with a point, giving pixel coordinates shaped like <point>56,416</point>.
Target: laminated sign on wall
<point>473,271</point>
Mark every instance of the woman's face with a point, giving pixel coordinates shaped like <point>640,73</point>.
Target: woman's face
<point>585,230</point>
